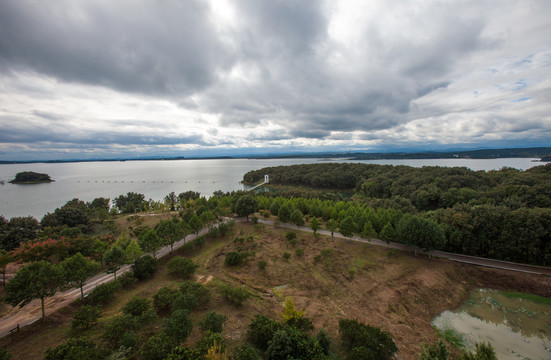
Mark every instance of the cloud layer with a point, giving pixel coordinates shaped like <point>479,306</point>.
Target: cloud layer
<point>100,78</point>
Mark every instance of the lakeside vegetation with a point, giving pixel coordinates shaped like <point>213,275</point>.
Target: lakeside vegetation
<point>500,214</point>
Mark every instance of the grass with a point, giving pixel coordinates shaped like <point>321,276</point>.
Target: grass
<point>531,297</point>
<point>453,337</point>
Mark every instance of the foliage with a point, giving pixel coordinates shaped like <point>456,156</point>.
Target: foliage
<point>16,231</point>
<point>30,177</point>
<point>284,213</point>
<point>182,266</point>
<point>113,259</point>
<point>212,322</point>
<point>130,203</point>
<point>76,348</point>
<point>77,269</point>
<point>116,326</point>
<point>185,302</point>
<point>440,351</point>
<point>436,351</point>
<point>207,341</point>
<point>198,290</point>
<point>348,226</point>
<point>137,306</point>
<point>149,241</point>
<point>297,218</point>
<point>324,341</point>
<point>103,293</point>
<point>234,295</point>
<point>169,231</point>
<point>261,330</point>
<point>246,205</point>
<point>132,252</point>
<point>178,327</point>
<point>144,267</point>
<point>314,224</point>
<point>290,235</point>
<point>236,258</point>
<point>85,316</point>
<point>37,280</point>
<point>4,354</point>
<point>364,340</point>
<point>286,256</point>
<point>293,343</point>
<point>5,259</point>
<point>163,299</point>
<point>387,233</point>
<point>246,351</point>
<point>157,347</point>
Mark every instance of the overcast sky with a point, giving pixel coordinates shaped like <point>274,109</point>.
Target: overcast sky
<point>104,78</point>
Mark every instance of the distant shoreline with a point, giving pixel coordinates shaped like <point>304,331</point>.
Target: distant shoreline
<point>543,153</point>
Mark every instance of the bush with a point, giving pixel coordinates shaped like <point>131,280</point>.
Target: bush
<point>212,322</point>
<point>324,341</point>
<point>286,256</point>
<point>137,306</point>
<point>103,293</point>
<point>4,354</point>
<point>246,352</point>
<point>182,266</point>
<point>85,316</point>
<point>164,298</point>
<point>262,265</point>
<point>234,295</point>
<point>365,342</point>
<point>261,330</point>
<point>206,342</point>
<point>292,343</point>
<point>178,326</point>
<point>117,326</point>
<point>129,340</point>
<point>127,280</point>
<point>144,267</point>
<point>185,302</point>
<point>76,348</point>
<point>290,235</point>
<point>299,252</point>
<point>235,258</point>
<point>194,288</point>
<point>157,347</point>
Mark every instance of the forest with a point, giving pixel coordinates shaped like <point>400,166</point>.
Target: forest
<point>503,214</point>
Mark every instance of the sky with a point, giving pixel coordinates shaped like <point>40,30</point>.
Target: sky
<point>128,78</point>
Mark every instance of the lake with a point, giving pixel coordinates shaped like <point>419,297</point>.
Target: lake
<point>517,328</point>
<point>155,179</point>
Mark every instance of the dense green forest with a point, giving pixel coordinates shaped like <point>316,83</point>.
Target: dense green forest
<point>504,214</point>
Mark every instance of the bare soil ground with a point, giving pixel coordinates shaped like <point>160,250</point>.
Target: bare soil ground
<point>333,279</point>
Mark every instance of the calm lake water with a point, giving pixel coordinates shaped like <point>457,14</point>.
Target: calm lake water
<point>517,328</point>
<point>155,179</point>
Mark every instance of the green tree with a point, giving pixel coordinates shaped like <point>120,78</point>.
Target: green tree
<point>246,205</point>
<point>297,218</point>
<point>132,252</point>
<point>38,280</point>
<point>171,199</point>
<point>368,232</point>
<point>421,233</point>
<point>437,351</point>
<point>178,327</point>
<point>213,322</point>
<point>195,224</point>
<point>76,348</point>
<point>182,266</point>
<point>144,267</point>
<point>347,226</point>
<point>366,342</point>
<point>77,269</point>
<point>5,259</point>
<point>387,233</point>
<point>314,225</point>
<point>114,258</point>
<point>331,225</point>
<point>85,316</point>
<point>18,230</point>
<point>169,231</point>
<point>149,241</point>
<point>130,203</point>
<point>284,213</point>
<point>163,299</point>
<point>5,354</point>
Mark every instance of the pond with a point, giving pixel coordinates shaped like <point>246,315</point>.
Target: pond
<point>517,325</point>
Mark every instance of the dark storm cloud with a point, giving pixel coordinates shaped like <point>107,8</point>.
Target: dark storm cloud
<point>161,47</point>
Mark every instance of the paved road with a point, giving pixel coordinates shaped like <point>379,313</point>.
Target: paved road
<point>32,312</point>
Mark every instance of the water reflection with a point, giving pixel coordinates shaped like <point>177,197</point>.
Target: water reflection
<point>517,328</point>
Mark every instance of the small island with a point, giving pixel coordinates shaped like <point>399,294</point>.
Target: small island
<point>30,177</point>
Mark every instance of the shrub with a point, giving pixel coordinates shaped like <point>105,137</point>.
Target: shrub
<point>234,295</point>
<point>76,348</point>
<point>137,306</point>
<point>157,347</point>
<point>127,280</point>
<point>194,288</point>
<point>163,299</point>
<point>4,354</point>
<point>85,316</point>
<point>129,340</point>
<point>182,266</point>
<point>234,258</point>
<point>103,293</point>
<point>286,256</point>
<point>144,267</point>
<point>246,352</point>
<point>212,322</point>
<point>324,341</point>
<point>299,252</point>
<point>178,326</point>
<point>185,302</point>
<point>290,235</point>
<point>117,326</point>
<point>262,265</point>
<point>254,220</point>
<point>261,330</point>
<point>365,342</point>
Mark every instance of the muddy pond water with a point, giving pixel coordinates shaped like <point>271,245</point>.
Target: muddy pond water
<point>517,327</point>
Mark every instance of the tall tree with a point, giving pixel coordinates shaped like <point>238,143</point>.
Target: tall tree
<point>38,280</point>
<point>297,218</point>
<point>314,224</point>
<point>77,269</point>
<point>246,205</point>
<point>149,241</point>
<point>114,258</point>
<point>347,226</point>
<point>5,259</point>
<point>195,224</point>
<point>169,231</point>
<point>171,199</point>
